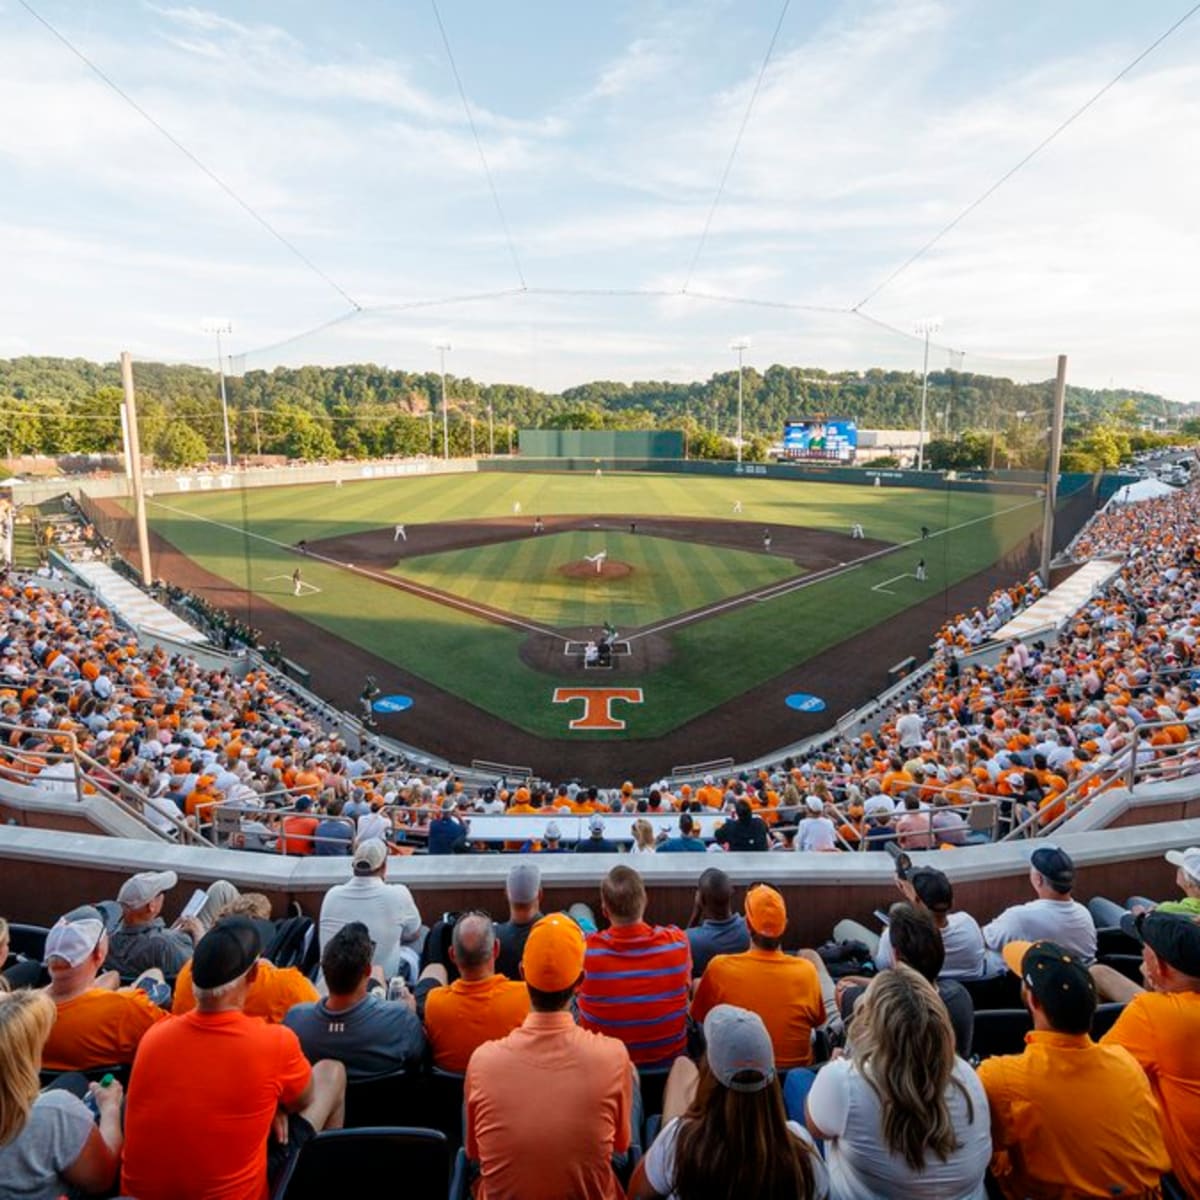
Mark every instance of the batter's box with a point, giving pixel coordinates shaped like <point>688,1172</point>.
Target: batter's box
<point>618,649</point>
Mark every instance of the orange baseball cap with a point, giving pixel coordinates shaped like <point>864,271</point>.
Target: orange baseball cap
<point>553,958</point>
<point>766,911</point>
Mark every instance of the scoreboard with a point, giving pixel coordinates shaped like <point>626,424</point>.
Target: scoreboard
<point>821,440</point>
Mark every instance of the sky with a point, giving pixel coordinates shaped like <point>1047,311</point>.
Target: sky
<point>606,130</point>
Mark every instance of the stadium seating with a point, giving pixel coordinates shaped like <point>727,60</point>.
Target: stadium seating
<point>417,1160</point>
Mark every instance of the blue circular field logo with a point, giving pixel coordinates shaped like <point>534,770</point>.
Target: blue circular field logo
<point>803,702</point>
<point>395,704</point>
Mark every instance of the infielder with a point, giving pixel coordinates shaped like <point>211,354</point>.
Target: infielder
<point>399,535</point>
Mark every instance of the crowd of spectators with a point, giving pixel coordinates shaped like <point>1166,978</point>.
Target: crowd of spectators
<point>230,1062</point>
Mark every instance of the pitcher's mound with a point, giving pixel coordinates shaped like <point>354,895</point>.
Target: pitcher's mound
<point>609,569</point>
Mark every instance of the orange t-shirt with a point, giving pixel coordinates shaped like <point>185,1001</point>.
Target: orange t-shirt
<point>273,992</point>
<point>201,1099</point>
<point>463,1016</point>
<point>1162,1031</point>
<point>100,1028</point>
<point>782,989</point>
<point>298,834</point>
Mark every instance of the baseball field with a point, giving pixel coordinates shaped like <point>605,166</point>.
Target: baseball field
<point>728,596</point>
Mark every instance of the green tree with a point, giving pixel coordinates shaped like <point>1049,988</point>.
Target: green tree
<point>179,445</point>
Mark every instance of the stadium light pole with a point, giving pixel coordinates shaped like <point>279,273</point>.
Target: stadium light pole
<point>926,328</point>
<point>741,346</point>
<point>491,431</point>
<point>220,327</point>
<point>441,348</point>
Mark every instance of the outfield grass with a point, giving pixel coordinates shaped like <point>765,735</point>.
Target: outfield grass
<point>523,577</point>
<point>477,660</point>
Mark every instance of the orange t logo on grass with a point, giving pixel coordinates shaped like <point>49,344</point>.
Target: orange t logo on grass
<point>597,705</point>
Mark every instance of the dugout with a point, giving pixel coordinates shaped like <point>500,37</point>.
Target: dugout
<point>591,444</point>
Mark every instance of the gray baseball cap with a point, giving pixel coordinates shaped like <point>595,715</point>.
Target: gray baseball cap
<point>524,882</point>
<point>740,1053</point>
<point>142,888</point>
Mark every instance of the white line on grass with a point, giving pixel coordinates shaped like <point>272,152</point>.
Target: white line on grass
<point>394,581</point>
<point>795,585</point>
<point>882,587</point>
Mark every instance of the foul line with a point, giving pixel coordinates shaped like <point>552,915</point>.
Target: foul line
<point>882,587</point>
<point>404,585</point>
<point>788,586</point>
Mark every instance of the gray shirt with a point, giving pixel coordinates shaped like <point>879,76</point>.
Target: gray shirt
<point>133,949</point>
<point>711,938</point>
<point>31,1165</point>
<point>371,1037</point>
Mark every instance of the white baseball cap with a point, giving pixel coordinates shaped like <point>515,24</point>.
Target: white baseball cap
<point>74,937</point>
<point>142,888</point>
<point>1188,859</point>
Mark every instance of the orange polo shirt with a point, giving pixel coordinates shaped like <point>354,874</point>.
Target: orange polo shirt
<point>461,1017</point>
<point>782,989</point>
<point>547,1106</point>
<point>273,992</point>
<point>1162,1031</point>
<point>1071,1118</point>
<point>100,1028</point>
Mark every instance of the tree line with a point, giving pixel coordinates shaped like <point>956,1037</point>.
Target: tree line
<point>57,406</point>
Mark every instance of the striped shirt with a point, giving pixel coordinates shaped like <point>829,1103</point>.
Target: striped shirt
<point>635,989</point>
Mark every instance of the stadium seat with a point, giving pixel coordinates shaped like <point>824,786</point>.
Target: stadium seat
<point>120,1072</point>
<point>28,941</point>
<point>442,1102</point>
<point>997,991</point>
<point>1114,940</point>
<point>652,1081</point>
<point>1130,965</point>
<point>355,1161</point>
<point>389,1099</point>
<point>1000,1031</point>
<point>1104,1018</point>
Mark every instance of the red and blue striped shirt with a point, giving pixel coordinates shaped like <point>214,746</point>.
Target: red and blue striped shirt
<point>635,989</point>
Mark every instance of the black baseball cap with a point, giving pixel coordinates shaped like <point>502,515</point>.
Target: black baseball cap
<point>226,952</point>
<point>933,889</point>
<point>1059,981</point>
<point>1174,937</point>
<point>1055,866</point>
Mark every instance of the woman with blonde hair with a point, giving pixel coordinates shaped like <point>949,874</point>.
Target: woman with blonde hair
<point>49,1143</point>
<point>643,837</point>
<point>903,1116</point>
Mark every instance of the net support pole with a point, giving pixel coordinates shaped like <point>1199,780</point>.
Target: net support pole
<point>135,468</point>
<point>1056,436</point>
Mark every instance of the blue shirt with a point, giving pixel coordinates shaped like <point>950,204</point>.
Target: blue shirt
<point>333,838</point>
<point>371,1037</point>
<point>444,834</point>
<point>711,938</point>
<point>680,844</point>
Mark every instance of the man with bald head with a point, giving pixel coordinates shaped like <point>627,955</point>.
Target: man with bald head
<point>480,1006</point>
<point>714,927</point>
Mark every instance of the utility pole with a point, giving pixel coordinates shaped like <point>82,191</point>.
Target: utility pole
<point>491,432</point>
<point>441,348</point>
<point>220,327</point>
<point>1056,437</point>
<point>741,346</point>
<point>134,467</point>
<point>926,328</point>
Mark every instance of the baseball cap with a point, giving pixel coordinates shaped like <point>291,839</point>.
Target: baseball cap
<point>1188,859</point>
<point>766,911</point>
<point>553,957</point>
<point>739,1049</point>
<point>1055,866</point>
<point>524,880</point>
<point>813,804</point>
<point>142,888</point>
<point>1052,974</point>
<point>553,833</point>
<point>370,856</point>
<point>595,823</point>
<point>74,937</point>
<point>933,889</point>
<point>1174,937</point>
<point>226,952</point>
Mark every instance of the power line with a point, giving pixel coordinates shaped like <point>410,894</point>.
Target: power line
<point>192,158</point>
<point>737,141</point>
<point>512,249</point>
<point>933,241</point>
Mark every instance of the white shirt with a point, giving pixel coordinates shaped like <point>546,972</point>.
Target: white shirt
<point>660,1160</point>
<point>910,729</point>
<point>846,1108</point>
<point>387,910</point>
<point>372,825</point>
<point>1066,922</point>
<point>816,833</point>
<point>966,955</point>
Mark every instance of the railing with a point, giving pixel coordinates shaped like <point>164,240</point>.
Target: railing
<point>85,776</point>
